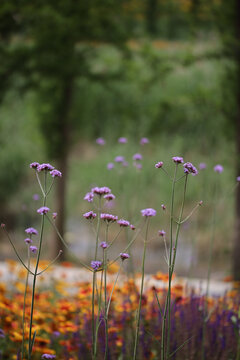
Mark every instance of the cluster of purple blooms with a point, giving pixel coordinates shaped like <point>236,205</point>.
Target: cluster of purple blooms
<point>100,191</point>
<point>31,231</point>
<point>89,215</point>
<point>43,210</point>
<point>47,167</point>
<point>108,217</point>
<point>148,212</point>
<point>48,356</point>
<point>96,264</point>
<point>188,167</point>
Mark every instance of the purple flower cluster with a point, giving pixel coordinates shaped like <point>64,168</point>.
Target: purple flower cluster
<point>54,215</point>
<point>163,207</point>
<point>96,264</point>
<point>177,159</point>
<point>28,241</point>
<point>190,168</point>
<point>34,165</point>
<point>55,173</point>
<point>122,140</point>
<point>137,157</point>
<point>123,223</point>
<point>101,190</point>
<point>119,159</point>
<point>89,215</point>
<point>47,167</point>
<point>100,141</point>
<point>48,356</point>
<point>148,212</point>
<point>103,245</point>
<point>144,141</point>
<point>89,196</point>
<point>202,166</point>
<point>124,256</point>
<point>161,233</point>
<point>33,249</point>
<point>108,217</point>
<point>31,231</point>
<point>238,179</point>
<point>159,165</point>
<point>43,210</point>
<point>109,197</point>
<point>2,334</point>
<point>218,168</point>
<point>110,166</point>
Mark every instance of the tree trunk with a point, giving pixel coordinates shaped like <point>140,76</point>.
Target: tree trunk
<point>236,247</point>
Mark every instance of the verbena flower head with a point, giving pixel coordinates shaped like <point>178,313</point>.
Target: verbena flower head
<point>89,215</point>
<point>125,164</point>
<point>124,256</point>
<point>103,245</point>
<point>35,197</point>
<point>161,233</point>
<point>28,241</point>
<point>34,165</point>
<point>47,167</point>
<point>48,356</point>
<point>89,197</point>
<point>122,140</point>
<point>202,166</point>
<point>54,215</point>
<point>96,264</point>
<point>138,166</point>
<point>144,141</point>
<point>189,168</point>
<point>123,223</point>
<point>137,157</point>
<point>108,217</point>
<point>218,168</point>
<point>109,197</point>
<point>31,231</point>
<point>100,141</point>
<point>148,212</point>
<point>33,249</point>
<point>132,227</point>
<point>110,166</point>
<point>159,165</point>
<point>101,190</point>
<point>177,159</point>
<point>163,207</point>
<point>119,159</point>
<point>43,210</point>
<point>2,334</point>
<point>55,173</point>
<point>238,179</point>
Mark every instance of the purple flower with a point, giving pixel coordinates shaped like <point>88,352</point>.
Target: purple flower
<point>202,166</point>
<point>48,356</point>
<point>31,231</point>
<point>109,197</point>
<point>125,164</point>
<point>148,212</point>
<point>89,215</point>
<point>35,197</point>
<point>123,223</point>
<point>137,157</point>
<point>54,215</point>
<point>56,333</point>
<point>124,256</point>
<point>110,166</point>
<point>96,264</point>
<point>119,159</point>
<point>238,179</point>
<point>108,217</point>
<point>138,166</point>
<point>178,159</point>
<point>100,141</point>
<point>122,140</point>
<point>33,249</point>
<point>159,165</point>
<point>161,233</point>
<point>132,227</point>
<point>101,190</point>
<point>43,210</point>
<point>89,196</point>
<point>189,168</point>
<point>44,166</point>
<point>163,207</point>
<point>104,245</point>
<point>144,141</point>
<point>28,241</point>
<point>55,173</point>
<point>2,333</point>
<point>218,168</point>
<point>34,165</point>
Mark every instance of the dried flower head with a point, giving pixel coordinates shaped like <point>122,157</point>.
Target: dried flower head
<point>31,231</point>
<point>159,165</point>
<point>148,212</point>
<point>89,215</point>
<point>43,210</point>
<point>123,223</point>
<point>96,264</point>
<point>218,168</point>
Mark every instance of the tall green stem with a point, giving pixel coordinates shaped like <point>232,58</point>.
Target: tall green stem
<point>24,305</point>
<point>98,228</point>
<point>141,293</point>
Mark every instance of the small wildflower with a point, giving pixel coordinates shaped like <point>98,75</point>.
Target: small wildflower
<point>89,196</point>
<point>31,231</point>
<point>178,159</point>
<point>104,245</point>
<point>2,333</point>
<point>109,197</point>
<point>137,157</point>
<point>202,166</point>
<point>110,166</point>
<point>28,241</point>
<point>138,166</point>
<point>100,141</point>
<point>35,197</point>
<point>124,256</point>
<point>132,227</point>
<point>218,168</point>
<point>125,164</point>
<point>163,207</point>
<point>238,179</point>
<point>101,190</point>
<point>119,159</point>
<point>43,210</point>
<point>34,165</point>
<point>96,264</point>
<point>56,333</point>
<point>55,173</point>
<point>122,140</point>
<point>33,249</point>
<point>54,215</point>
<point>108,217</point>
<point>148,212</point>
<point>44,166</point>
<point>144,141</point>
<point>161,233</point>
<point>190,168</point>
<point>159,165</point>
<point>123,223</point>
<point>48,356</point>
<point>3,225</point>
<point>89,215</point>
<point>200,203</point>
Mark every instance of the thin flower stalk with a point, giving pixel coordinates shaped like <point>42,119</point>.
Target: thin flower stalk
<point>98,227</point>
<point>24,306</point>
